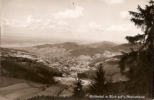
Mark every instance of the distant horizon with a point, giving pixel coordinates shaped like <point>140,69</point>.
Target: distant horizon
<point>16,43</point>
<point>49,40</point>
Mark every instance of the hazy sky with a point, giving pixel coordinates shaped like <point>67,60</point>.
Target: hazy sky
<point>86,20</point>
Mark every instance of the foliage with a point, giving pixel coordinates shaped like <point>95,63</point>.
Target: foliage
<point>78,91</point>
<point>30,70</point>
<point>99,86</point>
<point>87,74</point>
<point>139,62</point>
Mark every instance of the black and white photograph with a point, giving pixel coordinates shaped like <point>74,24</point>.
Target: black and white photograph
<point>76,49</point>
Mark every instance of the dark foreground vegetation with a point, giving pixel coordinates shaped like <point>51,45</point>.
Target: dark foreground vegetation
<point>140,62</point>
<point>27,69</point>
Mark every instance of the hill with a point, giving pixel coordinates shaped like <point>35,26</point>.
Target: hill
<point>65,45</point>
<point>27,69</point>
<point>75,50</point>
<point>79,49</point>
<point>125,47</point>
<point>103,44</point>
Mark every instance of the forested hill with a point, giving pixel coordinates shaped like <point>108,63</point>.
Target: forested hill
<point>27,69</point>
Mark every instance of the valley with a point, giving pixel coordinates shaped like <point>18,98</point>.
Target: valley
<point>57,67</point>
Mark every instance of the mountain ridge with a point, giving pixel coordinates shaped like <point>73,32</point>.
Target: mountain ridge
<point>73,44</point>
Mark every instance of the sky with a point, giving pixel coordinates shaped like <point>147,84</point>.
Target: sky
<point>69,20</point>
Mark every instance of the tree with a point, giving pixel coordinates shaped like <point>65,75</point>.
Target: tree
<point>99,86</point>
<point>139,62</point>
<point>78,92</point>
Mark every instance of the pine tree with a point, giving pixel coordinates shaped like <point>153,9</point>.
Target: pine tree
<point>78,92</point>
<point>140,72</point>
<point>98,87</point>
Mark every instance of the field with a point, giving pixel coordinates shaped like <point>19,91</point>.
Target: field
<point>19,89</point>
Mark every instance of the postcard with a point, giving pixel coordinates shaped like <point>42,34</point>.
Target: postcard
<point>76,49</point>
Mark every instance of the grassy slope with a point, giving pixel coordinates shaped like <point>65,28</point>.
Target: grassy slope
<point>21,68</point>
<point>16,90</point>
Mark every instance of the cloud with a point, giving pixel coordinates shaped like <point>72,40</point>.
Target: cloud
<point>91,27</point>
<point>56,20</point>
<point>125,15</point>
<point>62,23</point>
<point>113,1</point>
<point>95,26</point>
<point>121,28</point>
<point>35,22</point>
<point>69,14</point>
<point>81,29</point>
